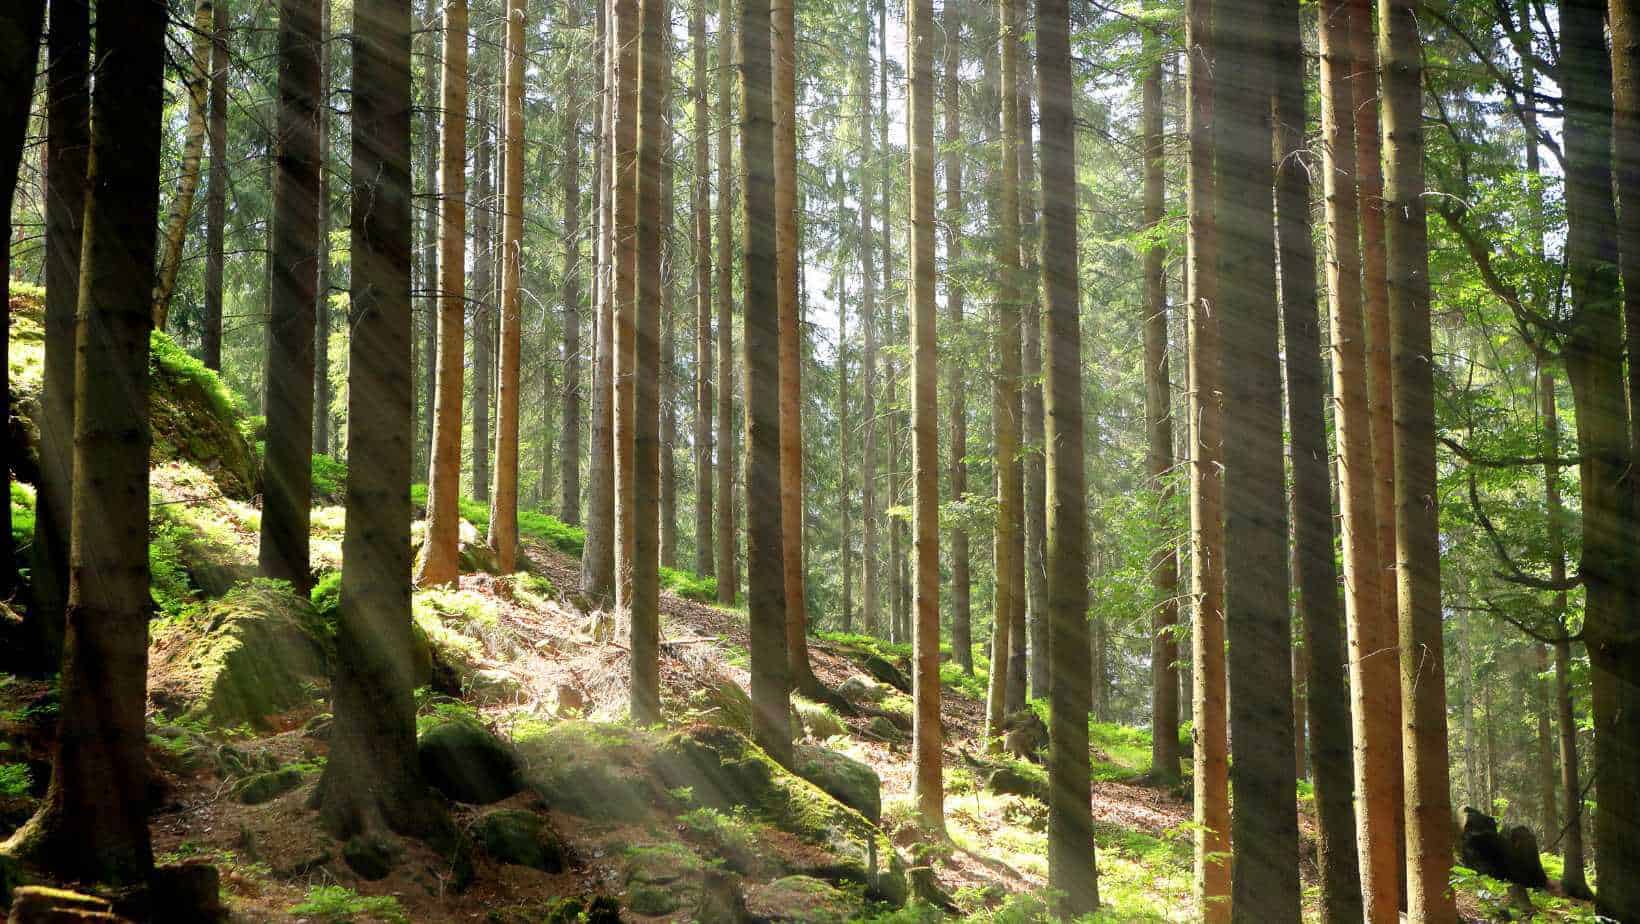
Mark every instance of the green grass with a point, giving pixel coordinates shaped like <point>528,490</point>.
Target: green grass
<point>329,477</point>
<point>336,903</point>
<point>532,524</point>
<point>689,585</point>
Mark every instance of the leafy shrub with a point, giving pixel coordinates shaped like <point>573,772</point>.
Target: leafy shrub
<point>170,586</point>
<point>15,780</point>
<point>329,478</point>
<point>688,585</point>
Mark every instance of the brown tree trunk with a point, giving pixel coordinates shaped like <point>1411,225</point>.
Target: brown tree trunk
<point>287,477</point>
<point>216,187</point>
<point>701,207</point>
<point>1208,708</point>
<point>1315,572</point>
<point>485,211</point>
<point>322,324</point>
<point>1072,870</point>
<point>728,584</point>
<point>669,343</point>
<point>193,145</point>
<point>870,616</point>
<point>1264,814</point>
<point>92,824</point>
<point>429,291</point>
<point>624,35</point>
<point>1429,838</point>
<point>439,556</point>
<point>1164,563</point>
<point>68,138</point>
<point>569,429</point>
<point>598,554</point>
<point>1623,17</point>
<point>962,644</point>
<point>504,508</point>
<point>372,779</point>
<point>845,621</point>
<point>1030,646</point>
<point>927,731</point>
<point>766,590</point>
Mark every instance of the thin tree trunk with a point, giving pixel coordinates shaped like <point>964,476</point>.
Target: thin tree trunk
<point>1009,539</point>
<point>1208,708</point>
<point>216,188</point>
<point>68,139</point>
<point>1315,572</point>
<point>372,778</point>
<point>193,146</point>
<point>870,617</point>
<point>93,822</point>
<point>927,732</point>
<point>701,206</point>
<point>321,309</point>
<point>287,479</point>
<point>486,197</point>
<point>439,557</point>
<point>1623,17</point>
<point>1164,563</point>
<point>669,344</point>
<point>726,456</point>
<point>1072,869</point>
<point>504,508</point>
<point>429,241</point>
<point>569,431</point>
<point>1030,646</point>
<point>766,591</point>
<point>625,26</point>
<point>598,555</point>
<point>962,644</point>
<point>844,486</point>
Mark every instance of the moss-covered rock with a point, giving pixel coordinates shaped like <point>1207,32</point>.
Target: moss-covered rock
<point>662,878</point>
<point>845,779</point>
<point>265,787</point>
<point>720,700</point>
<point>1018,779</point>
<point>249,656</point>
<point>591,769</point>
<point>602,909</point>
<point>462,760</point>
<point>862,689</point>
<point>723,769</point>
<point>197,419</point>
<point>886,671</point>
<point>38,904</point>
<point>803,900</point>
<point>523,839</point>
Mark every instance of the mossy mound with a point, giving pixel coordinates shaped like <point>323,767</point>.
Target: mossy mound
<point>591,769</point>
<point>463,760</point>
<point>845,779</point>
<point>197,419</point>
<point>523,839</point>
<point>803,900</point>
<point>724,770</point>
<point>258,651</point>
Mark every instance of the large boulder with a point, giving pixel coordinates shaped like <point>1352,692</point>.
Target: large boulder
<point>255,653</point>
<point>462,760</point>
<point>522,839</point>
<point>1510,854</point>
<point>802,900</point>
<point>845,779</point>
<point>196,418</point>
<point>725,771</point>
<point>886,671</point>
<point>590,769</point>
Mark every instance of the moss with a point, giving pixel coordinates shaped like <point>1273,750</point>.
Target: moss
<point>591,769</point>
<point>819,721</point>
<point>264,787</point>
<point>804,899</point>
<point>197,418</point>
<point>689,585</point>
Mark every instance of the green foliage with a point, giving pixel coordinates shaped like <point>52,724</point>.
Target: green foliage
<point>971,685</point>
<point>532,524</point>
<point>329,477</point>
<point>15,780</point>
<point>326,596</point>
<point>170,586</point>
<point>689,585</point>
<point>167,358</point>
<point>338,903</point>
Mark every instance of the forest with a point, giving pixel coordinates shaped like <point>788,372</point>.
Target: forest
<point>840,460</point>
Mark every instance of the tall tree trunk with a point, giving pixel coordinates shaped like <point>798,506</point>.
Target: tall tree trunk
<point>625,30</point>
<point>1164,562</point>
<point>1006,413</point>
<point>766,591</point>
<point>1264,814</point>
<point>870,617</point>
<point>1429,840</point>
<point>598,555</point>
<point>791,343</point>
<point>1208,708</point>
<point>429,240</point>
<point>321,306</point>
<point>653,136</point>
<point>1572,880</point>
<point>669,341</point>
<point>68,138</point>
<point>1623,17</point>
<point>569,430</point>
<point>504,508</point>
<point>1072,870</point>
<point>216,187</point>
<point>193,146</point>
<point>1315,572</point>
<point>926,732</point>
<point>845,544</point>
<point>701,207</point>
<point>1030,646</point>
<point>1592,350</point>
<point>962,644</point>
<point>373,779</point>
<point>486,198</point>
<point>726,456</point>
<point>93,822</point>
<point>439,556</point>
<point>1371,674</point>
<point>287,477</point>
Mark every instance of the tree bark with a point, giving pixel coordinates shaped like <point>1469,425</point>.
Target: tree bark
<point>1429,837</point>
<point>68,139</point>
<point>216,188</point>
<point>870,615</point>
<point>598,554</point>
<point>569,430</point>
<point>766,591</point>
<point>669,343</point>
<point>1314,569</point>
<point>845,544</point>
<point>287,477</point>
<point>1623,17</point>
<point>92,824</point>
<point>429,240</point>
<point>1030,646</point>
<point>486,197</point>
<point>1164,562</point>
<point>701,207</point>
<point>504,508</point>
<point>193,145</point>
<point>1009,535</point>
<point>322,324</point>
<point>728,584</point>
<point>1072,869</point>
<point>927,733</point>
<point>1208,708</point>
<point>372,779</point>
<point>439,556</point>
<point>962,644</point>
